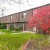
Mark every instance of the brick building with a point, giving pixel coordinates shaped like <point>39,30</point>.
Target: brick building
<point>18,19</point>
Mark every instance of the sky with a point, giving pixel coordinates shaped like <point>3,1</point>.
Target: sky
<point>13,6</point>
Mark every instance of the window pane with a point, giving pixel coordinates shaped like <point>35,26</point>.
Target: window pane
<point>11,18</point>
<point>24,15</point>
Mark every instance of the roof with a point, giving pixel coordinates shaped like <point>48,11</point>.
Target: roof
<point>27,10</point>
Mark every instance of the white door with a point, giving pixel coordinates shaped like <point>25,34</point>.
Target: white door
<point>34,29</point>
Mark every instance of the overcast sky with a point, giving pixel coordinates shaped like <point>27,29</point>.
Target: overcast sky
<point>11,7</point>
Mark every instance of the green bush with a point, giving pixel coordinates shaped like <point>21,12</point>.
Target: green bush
<point>16,29</point>
<point>3,26</point>
<point>11,27</point>
<point>19,29</point>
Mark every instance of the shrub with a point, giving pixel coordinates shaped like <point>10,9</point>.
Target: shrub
<point>3,26</point>
<point>19,28</point>
<point>11,27</point>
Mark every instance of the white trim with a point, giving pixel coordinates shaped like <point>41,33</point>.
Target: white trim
<point>10,17</point>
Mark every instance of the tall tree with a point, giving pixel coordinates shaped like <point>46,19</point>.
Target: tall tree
<point>41,19</point>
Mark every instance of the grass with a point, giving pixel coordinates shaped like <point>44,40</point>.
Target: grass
<point>15,41</point>
<point>5,31</point>
<point>11,41</point>
<point>9,31</point>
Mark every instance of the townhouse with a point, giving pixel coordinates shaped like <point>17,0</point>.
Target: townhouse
<point>18,19</point>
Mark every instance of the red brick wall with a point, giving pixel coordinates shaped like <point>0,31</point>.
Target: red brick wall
<point>28,14</point>
<point>17,17</point>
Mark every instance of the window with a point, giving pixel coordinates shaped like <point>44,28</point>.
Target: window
<point>35,12</point>
<point>34,29</point>
<point>14,25</point>
<point>6,18</point>
<point>24,15</point>
<point>10,17</point>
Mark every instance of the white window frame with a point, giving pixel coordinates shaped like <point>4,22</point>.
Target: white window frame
<point>14,25</point>
<point>11,17</point>
<point>24,15</point>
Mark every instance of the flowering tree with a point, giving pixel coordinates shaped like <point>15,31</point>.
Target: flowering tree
<point>41,19</point>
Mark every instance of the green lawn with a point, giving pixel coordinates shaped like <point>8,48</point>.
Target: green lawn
<point>8,31</point>
<point>11,41</point>
<point>15,41</point>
